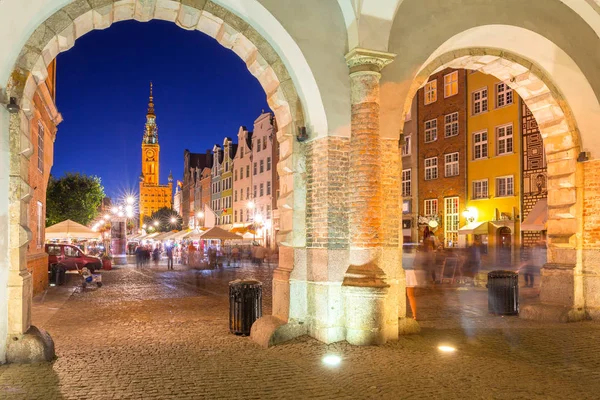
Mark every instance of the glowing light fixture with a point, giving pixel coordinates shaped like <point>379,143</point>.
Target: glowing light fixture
<point>470,214</point>
<point>107,217</point>
<point>173,220</point>
<point>200,214</point>
<point>446,349</point>
<point>251,205</point>
<point>332,360</point>
<point>120,214</point>
<point>155,223</point>
<point>114,210</point>
<point>144,226</point>
<point>130,200</point>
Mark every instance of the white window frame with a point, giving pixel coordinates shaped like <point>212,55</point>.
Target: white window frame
<point>431,130</point>
<point>480,99</point>
<point>406,149</point>
<point>481,144</point>
<point>431,168</point>
<point>451,124</point>
<point>451,164</point>
<point>40,147</point>
<point>40,224</point>
<point>509,185</point>
<point>406,182</point>
<point>451,84</point>
<point>430,92</point>
<point>504,95</point>
<point>451,220</point>
<point>505,139</point>
<point>480,189</point>
<point>430,207</point>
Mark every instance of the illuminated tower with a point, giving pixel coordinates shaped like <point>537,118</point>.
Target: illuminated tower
<point>153,195</point>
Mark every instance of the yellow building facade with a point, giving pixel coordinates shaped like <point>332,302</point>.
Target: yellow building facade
<point>153,195</point>
<point>494,165</point>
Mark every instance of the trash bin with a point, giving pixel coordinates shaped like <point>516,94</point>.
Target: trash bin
<point>57,275</point>
<point>52,273</point>
<point>245,305</point>
<point>503,292</point>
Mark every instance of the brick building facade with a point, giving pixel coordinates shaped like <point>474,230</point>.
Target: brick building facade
<point>409,145</point>
<point>442,116</point>
<point>43,128</point>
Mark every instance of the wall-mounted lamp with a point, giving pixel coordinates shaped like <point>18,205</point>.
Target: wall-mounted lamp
<point>302,135</point>
<point>12,106</point>
<point>583,156</point>
<point>470,214</point>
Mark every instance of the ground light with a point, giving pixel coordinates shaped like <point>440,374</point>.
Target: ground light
<point>332,360</point>
<point>446,349</point>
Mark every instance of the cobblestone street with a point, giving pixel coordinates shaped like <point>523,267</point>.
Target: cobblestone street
<point>158,334</point>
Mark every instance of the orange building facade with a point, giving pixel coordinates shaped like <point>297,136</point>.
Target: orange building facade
<point>42,128</point>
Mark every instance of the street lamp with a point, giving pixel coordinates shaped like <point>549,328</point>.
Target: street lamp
<point>470,214</point>
<point>156,223</point>
<point>173,220</point>
<point>200,214</point>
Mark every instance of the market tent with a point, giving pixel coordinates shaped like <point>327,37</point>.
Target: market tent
<point>217,233</point>
<point>152,236</point>
<point>180,235</point>
<point>71,230</point>
<point>195,234</point>
<point>163,235</point>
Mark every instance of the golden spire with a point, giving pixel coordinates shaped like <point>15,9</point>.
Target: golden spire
<point>151,103</point>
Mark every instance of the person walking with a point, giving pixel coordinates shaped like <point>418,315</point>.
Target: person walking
<point>139,256</point>
<point>411,283</point>
<point>235,254</point>
<point>428,253</point>
<point>169,257</point>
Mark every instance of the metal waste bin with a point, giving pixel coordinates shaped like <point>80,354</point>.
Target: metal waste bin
<point>57,275</point>
<point>245,305</point>
<point>503,292</point>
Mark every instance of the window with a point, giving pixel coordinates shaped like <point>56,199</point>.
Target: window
<point>480,102</point>
<point>255,168</point>
<point>268,211</point>
<point>40,147</point>
<point>262,166</point>
<point>451,125</point>
<point>406,178</point>
<point>504,137</point>
<point>247,171</point>
<point>264,142</point>
<point>268,163</point>
<point>480,189</point>
<point>451,164</point>
<point>268,188</point>
<point>430,130</point>
<point>431,171</point>
<point>262,189</point>
<point>504,95</point>
<point>254,191</point>
<point>406,145</point>
<point>241,152</point>
<point>235,175</point>
<point>235,195</point>
<point>431,92</point>
<point>480,147</point>
<point>40,224</point>
<point>431,207</point>
<point>248,192</point>
<point>505,186</point>
<point>451,84</point>
<point>452,221</point>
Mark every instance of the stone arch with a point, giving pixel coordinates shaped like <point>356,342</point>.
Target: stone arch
<point>59,32</point>
<point>562,296</point>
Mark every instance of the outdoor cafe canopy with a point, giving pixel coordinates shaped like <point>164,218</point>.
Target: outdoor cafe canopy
<point>70,230</point>
<point>217,233</point>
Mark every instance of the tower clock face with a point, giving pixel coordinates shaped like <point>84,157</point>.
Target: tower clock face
<point>150,154</point>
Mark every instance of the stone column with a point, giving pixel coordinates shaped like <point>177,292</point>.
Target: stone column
<point>368,296</point>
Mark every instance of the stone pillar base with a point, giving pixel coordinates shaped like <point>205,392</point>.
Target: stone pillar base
<point>365,315</point>
<point>119,259</point>
<point>552,313</point>
<point>269,331</point>
<point>33,346</point>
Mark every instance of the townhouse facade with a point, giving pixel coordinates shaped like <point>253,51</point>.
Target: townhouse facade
<point>242,179</point>
<point>442,140</point>
<point>194,164</point>
<point>43,128</point>
<point>410,165</point>
<point>226,217</point>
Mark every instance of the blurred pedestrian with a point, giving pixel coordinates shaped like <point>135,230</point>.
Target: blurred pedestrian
<point>428,258</point>
<point>169,257</point>
<point>411,283</point>
<point>139,256</point>
<point>235,254</point>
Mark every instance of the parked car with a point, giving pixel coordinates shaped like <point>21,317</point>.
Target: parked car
<point>71,257</point>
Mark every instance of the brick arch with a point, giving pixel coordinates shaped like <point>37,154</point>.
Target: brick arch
<point>562,145</point>
<point>59,33</point>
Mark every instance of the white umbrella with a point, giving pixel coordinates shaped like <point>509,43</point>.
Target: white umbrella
<point>71,230</point>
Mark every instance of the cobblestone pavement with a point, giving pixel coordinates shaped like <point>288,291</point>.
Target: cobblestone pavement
<point>157,334</point>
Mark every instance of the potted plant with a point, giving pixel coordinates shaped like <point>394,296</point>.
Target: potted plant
<point>106,262</point>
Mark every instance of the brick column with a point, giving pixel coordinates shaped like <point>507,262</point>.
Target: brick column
<point>370,298</point>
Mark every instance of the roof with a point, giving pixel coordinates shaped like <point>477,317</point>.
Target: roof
<point>70,229</point>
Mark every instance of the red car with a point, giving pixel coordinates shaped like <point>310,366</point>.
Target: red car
<point>71,257</point>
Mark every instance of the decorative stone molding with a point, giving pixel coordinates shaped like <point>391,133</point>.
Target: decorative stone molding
<point>361,60</point>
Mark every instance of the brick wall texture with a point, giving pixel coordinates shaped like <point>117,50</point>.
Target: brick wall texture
<point>591,204</point>
<point>327,163</point>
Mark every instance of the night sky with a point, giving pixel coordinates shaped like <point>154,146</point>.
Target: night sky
<point>202,93</point>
